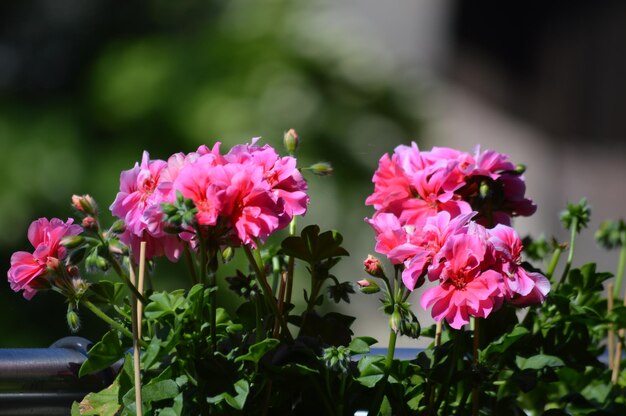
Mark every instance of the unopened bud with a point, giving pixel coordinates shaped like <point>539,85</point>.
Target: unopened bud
<point>118,227</point>
<point>86,204</point>
<point>520,168</point>
<point>321,169</point>
<point>368,286</point>
<point>72,241</point>
<point>290,140</point>
<point>395,322</point>
<point>227,254</point>
<point>53,263</point>
<point>373,267</point>
<point>90,223</point>
<point>73,321</point>
<point>102,263</point>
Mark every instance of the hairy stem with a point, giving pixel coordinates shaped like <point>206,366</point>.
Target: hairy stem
<point>619,275</point>
<point>570,255</point>
<point>267,290</point>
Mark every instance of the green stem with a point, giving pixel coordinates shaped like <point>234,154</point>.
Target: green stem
<point>259,325</point>
<point>106,318</point>
<point>556,256</point>
<point>391,348</point>
<point>120,272</point>
<point>267,290</point>
<point>290,265</point>
<point>570,254</point>
<point>191,265</point>
<point>619,275</point>
<point>342,393</point>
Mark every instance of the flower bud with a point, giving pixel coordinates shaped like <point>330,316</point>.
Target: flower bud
<point>73,321</point>
<point>368,286</point>
<point>90,223</point>
<point>373,267</point>
<point>395,322</point>
<point>86,204</point>
<point>321,169</point>
<point>118,227</point>
<point>72,241</point>
<point>227,254</point>
<point>290,140</point>
<point>53,263</point>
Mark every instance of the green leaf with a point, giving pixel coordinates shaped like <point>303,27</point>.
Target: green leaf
<point>361,345</point>
<point>504,342</point>
<point>102,403</point>
<point>175,410</point>
<point>102,354</point>
<point>537,362</point>
<point>105,292</point>
<point>371,370</point>
<point>242,388</point>
<point>164,303</point>
<point>312,246</point>
<point>258,350</point>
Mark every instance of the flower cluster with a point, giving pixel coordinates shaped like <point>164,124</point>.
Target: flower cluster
<point>432,212</point>
<point>29,270</point>
<point>247,194</point>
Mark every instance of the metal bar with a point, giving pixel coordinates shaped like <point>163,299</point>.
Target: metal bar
<point>44,381</point>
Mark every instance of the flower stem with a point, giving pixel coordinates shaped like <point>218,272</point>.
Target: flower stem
<point>191,265</point>
<point>475,392</point>
<point>570,254</point>
<point>391,348</point>
<point>96,311</point>
<point>556,256</point>
<point>619,275</point>
<point>267,290</point>
<point>122,274</point>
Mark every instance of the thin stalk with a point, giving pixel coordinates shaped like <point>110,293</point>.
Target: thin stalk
<point>267,290</point>
<point>259,325</point>
<point>120,272</point>
<point>290,264</point>
<point>619,275</point>
<point>140,284</point>
<point>570,254</point>
<point>342,393</point>
<point>136,324</point>
<point>611,331</point>
<point>281,303</point>
<point>618,354</point>
<point>114,324</point>
<point>556,256</point>
<point>475,391</point>
<point>438,331</point>
<point>211,272</point>
<point>391,348</point>
<point>191,265</point>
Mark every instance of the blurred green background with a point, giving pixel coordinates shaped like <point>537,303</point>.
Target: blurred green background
<point>85,87</point>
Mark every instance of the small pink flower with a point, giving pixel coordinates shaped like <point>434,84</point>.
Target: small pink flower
<point>142,191</point>
<point>468,286</point>
<point>28,268</point>
<point>522,288</point>
<point>373,267</point>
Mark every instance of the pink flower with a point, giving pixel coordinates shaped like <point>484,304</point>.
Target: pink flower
<point>138,203</point>
<point>28,269</point>
<point>248,193</point>
<point>468,286</point>
<point>522,288</point>
<point>373,267</point>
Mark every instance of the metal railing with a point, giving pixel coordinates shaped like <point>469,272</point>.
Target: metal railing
<point>44,381</point>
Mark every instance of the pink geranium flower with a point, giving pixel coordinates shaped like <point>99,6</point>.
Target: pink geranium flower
<point>523,288</point>
<point>27,269</point>
<point>142,191</point>
<point>468,287</point>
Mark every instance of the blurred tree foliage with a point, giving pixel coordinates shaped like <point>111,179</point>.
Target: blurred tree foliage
<point>86,86</point>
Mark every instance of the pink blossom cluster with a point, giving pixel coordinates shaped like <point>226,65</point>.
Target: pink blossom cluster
<point>29,271</point>
<point>425,221</point>
<point>414,185</point>
<point>250,192</point>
